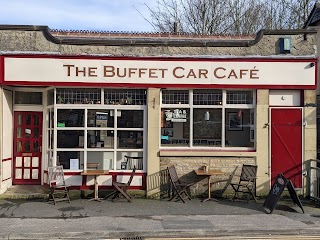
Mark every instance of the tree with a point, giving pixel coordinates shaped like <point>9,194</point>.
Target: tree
<point>229,16</point>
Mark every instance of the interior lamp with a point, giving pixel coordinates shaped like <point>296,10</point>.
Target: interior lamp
<point>207,116</point>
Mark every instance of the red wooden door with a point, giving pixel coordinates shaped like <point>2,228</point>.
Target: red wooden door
<point>286,144</point>
<point>27,147</point>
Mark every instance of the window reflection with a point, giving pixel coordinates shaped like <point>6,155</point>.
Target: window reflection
<point>100,118</point>
<point>238,128</point>
<point>70,117</point>
<point>130,118</point>
<point>207,127</point>
<point>70,139</point>
<point>175,127</point>
<point>130,139</point>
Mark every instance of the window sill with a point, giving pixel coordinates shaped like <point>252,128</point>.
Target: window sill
<point>183,152</point>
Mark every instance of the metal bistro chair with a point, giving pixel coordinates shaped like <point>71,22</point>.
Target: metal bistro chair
<point>247,182</point>
<point>58,191</point>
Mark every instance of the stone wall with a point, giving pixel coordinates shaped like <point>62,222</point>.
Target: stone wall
<point>22,40</point>
<point>185,168</point>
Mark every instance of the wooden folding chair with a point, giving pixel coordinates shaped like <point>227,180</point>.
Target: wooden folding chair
<point>247,182</point>
<point>179,187</point>
<point>227,181</point>
<point>58,191</point>
<point>121,189</point>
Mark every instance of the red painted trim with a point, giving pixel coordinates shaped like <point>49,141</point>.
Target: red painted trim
<point>90,187</point>
<point>190,59</point>
<point>136,85</point>
<point>110,173</point>
<point>205,150</point>
<point>114,178</point>
<point>6,159</point>
<point>316,74</point>
<point>6,179</point>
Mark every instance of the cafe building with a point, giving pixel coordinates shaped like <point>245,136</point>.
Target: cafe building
<point>86,99</point>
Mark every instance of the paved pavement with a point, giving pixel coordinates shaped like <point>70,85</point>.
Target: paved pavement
<point>151,219</point>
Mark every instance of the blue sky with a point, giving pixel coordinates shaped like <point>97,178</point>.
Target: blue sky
<point>101,15</point>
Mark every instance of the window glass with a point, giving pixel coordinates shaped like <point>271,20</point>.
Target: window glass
<point>78,96</point>
<point>207,97</point>
<point>100,139</point>
<point>124,163</point>
<point>125,97</point>
<point>70,139</point>
<point>207,125</point>
<point>28,98</point>
<point>70,117</point>
<point>239,97</point>
<point>100,118</point>
<point>130,118</point>
<point>130,139</point>
<point>175,96</point>
<point>100,160</point>
<point>175,127</point>
<point>219,118</point>
<point>238,128</point>
<point>72,160</point>
<point>93,136</point>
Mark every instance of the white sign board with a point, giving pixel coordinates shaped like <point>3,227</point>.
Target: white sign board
<point>269,72</point>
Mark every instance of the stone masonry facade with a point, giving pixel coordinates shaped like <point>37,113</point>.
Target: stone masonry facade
<point>265,44</point>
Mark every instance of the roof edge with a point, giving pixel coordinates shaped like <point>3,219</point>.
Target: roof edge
<point>154,41</point>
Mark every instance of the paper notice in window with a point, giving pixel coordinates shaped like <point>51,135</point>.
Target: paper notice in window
<point>28,131</point>
<point>74,164</point>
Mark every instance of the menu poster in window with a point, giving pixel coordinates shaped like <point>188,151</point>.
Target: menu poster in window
<point>74,164</point>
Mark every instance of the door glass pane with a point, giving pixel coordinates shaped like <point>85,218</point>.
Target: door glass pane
<point>36,132</point>
<point>35,146</point>
<point>36,120</point>
<point>27,146</point>
<point>19,134</point>
<point>28,119</point>
<point>19,119</point>
<point>28,132</point>
<point>19,146</point>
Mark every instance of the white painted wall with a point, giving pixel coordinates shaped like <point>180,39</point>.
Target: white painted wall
<point>7,140</point>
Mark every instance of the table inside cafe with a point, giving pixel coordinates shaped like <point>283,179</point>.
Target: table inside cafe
<point>208,173</point>
<point>95,173</point>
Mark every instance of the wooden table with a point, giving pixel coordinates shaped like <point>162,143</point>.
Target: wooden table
<point>208,174</point>
<point>95,174</point>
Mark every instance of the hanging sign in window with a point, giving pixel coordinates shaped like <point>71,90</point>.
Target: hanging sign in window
<point>177,115</point>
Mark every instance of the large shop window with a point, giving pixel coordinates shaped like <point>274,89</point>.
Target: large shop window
<point>208,118</point>
<point>97,128</point>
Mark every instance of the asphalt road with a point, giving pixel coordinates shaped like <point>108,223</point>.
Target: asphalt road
<point>150,219</point>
